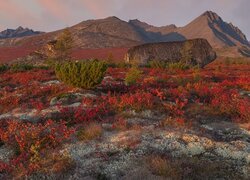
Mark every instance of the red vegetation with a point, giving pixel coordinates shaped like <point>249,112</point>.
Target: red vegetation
<point>31,142</point>
<point>178,94</point>
<point>8,54</point>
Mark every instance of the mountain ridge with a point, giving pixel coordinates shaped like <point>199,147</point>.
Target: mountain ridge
<point>114,32</point>
<point>18,32</point>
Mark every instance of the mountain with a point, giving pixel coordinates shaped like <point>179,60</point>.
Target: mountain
<point>156,34</point>
<point>149,28</point>
<point>19,32</point>
<point>211,27</point>
<point>114,32</point>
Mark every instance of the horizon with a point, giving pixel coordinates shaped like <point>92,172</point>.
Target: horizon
<point>47,16</point>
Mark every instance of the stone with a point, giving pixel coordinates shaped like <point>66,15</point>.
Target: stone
<point>5,153</point>
<point>51,82</point>
<point>193,52</point>
<point>190,138</point>
<point>70,98</point>
<point>195,148</point>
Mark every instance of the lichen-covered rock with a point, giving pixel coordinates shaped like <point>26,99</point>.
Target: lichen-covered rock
<point>192,52</point>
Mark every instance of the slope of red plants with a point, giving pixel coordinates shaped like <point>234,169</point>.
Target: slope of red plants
<point>8,54</point>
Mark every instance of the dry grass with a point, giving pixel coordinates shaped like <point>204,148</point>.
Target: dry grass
<point>162,167</point>
<point>90,132</point>
<point>120,125</point>
<point>175,122</point>
<point>191,168</point>
<point>57,163</point>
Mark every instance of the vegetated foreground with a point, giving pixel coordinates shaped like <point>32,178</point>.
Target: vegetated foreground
<point>158,124</point>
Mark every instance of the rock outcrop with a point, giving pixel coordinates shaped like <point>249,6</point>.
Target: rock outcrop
<point>192,52</point>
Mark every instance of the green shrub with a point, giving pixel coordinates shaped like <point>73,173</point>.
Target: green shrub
<point>21,67</point>
<point>51,63</point>
<point>178,66</point>
<point>84,74</point>
<point>132,76</point>
<point>3,68</point>
<point>157,64</point>
<point>118,65</point>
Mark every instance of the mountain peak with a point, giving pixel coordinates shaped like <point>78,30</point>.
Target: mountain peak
<point>18,32</point>
<point>112,18</point>
<point>20,28</point>
<point>138,23</point>
<point>212,16</point>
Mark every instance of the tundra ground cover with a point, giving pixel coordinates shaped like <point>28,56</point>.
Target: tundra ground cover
<point>184,98</point>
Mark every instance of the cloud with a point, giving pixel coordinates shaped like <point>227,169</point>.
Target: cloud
<point>16,14</point>
<point>54,14</point>
<point>56,8</point>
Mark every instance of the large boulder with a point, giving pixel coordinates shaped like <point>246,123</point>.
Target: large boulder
<point>192,52</point>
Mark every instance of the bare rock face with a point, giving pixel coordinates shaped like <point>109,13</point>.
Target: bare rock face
<point>192,52</point>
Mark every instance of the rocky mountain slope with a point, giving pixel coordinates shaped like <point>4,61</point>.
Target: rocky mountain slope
<point>211,27</point>
<point>113,32</point>
<point>19,32</point>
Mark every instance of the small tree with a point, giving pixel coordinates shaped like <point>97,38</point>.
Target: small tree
<point>133,75</point>
<point>110,58</point>
<point>59,49</point>
<point>84,74</point>
<point>64,45</point>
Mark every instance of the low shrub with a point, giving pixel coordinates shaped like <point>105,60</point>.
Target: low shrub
<point>190,168</point>
<point>31,142</point>
<point>178,66</point>
<point>90,132</point>
<point>132,76</point>
<point>84,74</point>
<point>21,67</point>
<point>157,64</point>
<point>162,167</point>
<point>137,101</point>
<point>3,68</point>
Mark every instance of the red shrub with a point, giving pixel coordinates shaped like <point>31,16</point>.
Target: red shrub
<point>176,109</point>
<point>137,101</point>
<point>230,103</point>
<point>31,142</point>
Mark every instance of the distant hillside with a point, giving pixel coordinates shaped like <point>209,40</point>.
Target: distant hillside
<point>19,32</point>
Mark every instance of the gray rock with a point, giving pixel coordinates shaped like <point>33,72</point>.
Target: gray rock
<point>70,98</point>
<point>5,153</point>
<point>51,82</point>
<point>193,52</point>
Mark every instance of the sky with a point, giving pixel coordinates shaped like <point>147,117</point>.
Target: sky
<point>50,15</point>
